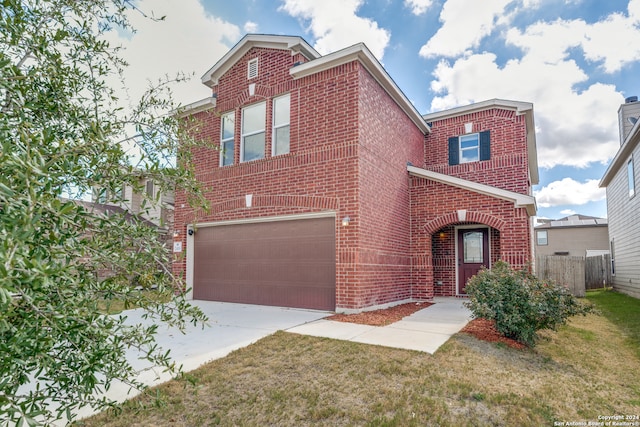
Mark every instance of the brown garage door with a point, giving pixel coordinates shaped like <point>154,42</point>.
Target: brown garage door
<point>281,263</point>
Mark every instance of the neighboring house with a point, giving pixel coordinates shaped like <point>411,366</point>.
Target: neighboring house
<point>575,235</point>
<point>100,209</point>
<point>332,192</point>
<point>159,214</point>
<point>623,202</point>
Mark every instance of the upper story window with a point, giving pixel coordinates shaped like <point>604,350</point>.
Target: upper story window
<point>281,118</point>
<point>252,69</point>
<point>631,178</point>
<point>253,132</point>
<point>469,148</point>
<point>227,138</point>
<point>150,189</point>
<point>542,237</point>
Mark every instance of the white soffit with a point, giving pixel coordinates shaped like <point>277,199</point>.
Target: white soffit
<point>519,200</point>
<point>195,107</point>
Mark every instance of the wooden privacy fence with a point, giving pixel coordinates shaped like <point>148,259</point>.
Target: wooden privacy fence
<point>576,273</point>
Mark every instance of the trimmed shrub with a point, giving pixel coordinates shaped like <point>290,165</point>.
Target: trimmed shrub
<point>520,303</point>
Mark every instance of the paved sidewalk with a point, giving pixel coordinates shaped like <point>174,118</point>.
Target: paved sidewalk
<point>425,330</point>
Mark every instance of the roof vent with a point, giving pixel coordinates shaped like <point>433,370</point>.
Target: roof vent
<point>252,69</point>
<point>631,99</point>
<point>632,120</point>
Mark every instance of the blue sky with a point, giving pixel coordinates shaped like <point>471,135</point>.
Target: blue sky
<point>575,60</point>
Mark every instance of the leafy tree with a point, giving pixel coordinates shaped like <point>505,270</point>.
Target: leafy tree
<point>60,124</point>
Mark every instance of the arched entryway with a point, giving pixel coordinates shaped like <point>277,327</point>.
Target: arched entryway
<point>459,251</point>
<point>461,244</point>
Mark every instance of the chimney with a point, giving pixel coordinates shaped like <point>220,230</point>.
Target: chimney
<point>628,114</point>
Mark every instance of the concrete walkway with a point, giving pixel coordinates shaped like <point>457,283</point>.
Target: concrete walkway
<point>425,330</point>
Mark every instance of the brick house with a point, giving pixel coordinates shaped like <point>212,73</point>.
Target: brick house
<point>330,191</point>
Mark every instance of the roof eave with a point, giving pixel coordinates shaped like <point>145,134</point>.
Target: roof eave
<point>518,200</point>
<point>359,52</point>
<point>195,107</point>
<point>629,144</point>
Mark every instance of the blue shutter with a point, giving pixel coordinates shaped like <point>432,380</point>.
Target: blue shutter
<point>454,151</point>
<point>485,145</point>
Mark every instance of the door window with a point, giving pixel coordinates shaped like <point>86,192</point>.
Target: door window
<point>473,247</point>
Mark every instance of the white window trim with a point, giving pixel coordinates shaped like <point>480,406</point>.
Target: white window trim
<point>460,149</point>
<point>546,238</point>
<point>150,188</point>
<point>244,135</point>
<point>631,178</point>
<point>274,127</point>
<point>222,140</point>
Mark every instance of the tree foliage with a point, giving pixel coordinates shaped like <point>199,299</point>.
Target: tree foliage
<point>60,123</point>
<point>520,303</point>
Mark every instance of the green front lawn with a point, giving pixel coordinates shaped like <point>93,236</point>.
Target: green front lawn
<point>586,369</point>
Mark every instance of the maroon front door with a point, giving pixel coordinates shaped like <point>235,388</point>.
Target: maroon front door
<point>473,254</point>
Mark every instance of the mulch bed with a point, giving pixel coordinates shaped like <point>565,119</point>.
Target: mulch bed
<point>382,317</point>
<point>485,330</point>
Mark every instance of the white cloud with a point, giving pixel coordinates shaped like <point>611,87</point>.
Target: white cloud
<point>576,122</point>
<point>615,31</point>
<point>335,25</point>
<point>569,192</point>
<point>568,212</point>
<point>250,27</point>
<point>189,40</point>
<point>464,25</point>
<point>418,7</point>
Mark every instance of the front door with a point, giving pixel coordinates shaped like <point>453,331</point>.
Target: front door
<point>473,254</point>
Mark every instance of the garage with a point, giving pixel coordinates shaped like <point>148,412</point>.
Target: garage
<point>286,263</point>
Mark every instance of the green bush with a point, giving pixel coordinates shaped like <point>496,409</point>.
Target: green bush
<point>520,303</point>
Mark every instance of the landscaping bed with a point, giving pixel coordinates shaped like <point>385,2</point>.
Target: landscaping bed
<point>382,317</point>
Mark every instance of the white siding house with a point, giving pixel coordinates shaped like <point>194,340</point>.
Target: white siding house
<point>623,201</point>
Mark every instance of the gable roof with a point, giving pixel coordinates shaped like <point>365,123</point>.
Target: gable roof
<point>630,143</point>
<point>317,63</point>
<point>293,43</point>
<point>519,200</point>
<point>521,108</point>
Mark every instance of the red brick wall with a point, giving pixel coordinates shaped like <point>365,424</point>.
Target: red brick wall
<point>434,205</point>
<point>344,157</point>
<point>388,140</point>
<point>350,144</point>
<point>508,167</point>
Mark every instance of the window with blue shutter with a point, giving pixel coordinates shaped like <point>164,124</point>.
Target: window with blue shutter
<point>469,148</point>
<point>485,145</point>
<point>454,151</point>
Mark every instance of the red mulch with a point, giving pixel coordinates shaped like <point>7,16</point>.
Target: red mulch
<point>485,330</point>
<point>381,317</point>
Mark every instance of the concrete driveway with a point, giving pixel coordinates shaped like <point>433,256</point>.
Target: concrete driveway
<point>233,326</point>
<point>230,327</point>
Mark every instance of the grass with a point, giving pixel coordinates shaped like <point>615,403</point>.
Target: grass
<point>622,311</point>
<point>587,368</point>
